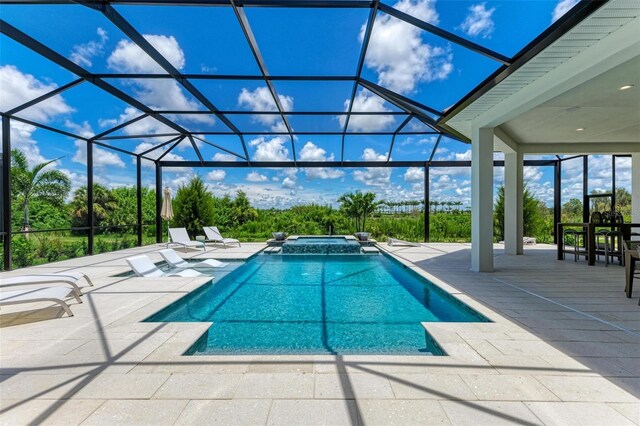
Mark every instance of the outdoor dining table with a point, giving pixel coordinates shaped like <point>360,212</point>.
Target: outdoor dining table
<point>625,228</point>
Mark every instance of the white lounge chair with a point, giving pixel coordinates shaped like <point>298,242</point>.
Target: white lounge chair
<point>142,266</point>
<point>181,237</point>
<point>175,261</point>
<point>214,236</point>
<point>42,294</point>
<point>70,278</point>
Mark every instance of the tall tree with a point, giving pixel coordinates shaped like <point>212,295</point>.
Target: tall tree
<point>242,210</point>
<point>104,204</point>
<point>193,206</point>
<point>358,206</point>
<point>530,213</point>
<point>37,183</point>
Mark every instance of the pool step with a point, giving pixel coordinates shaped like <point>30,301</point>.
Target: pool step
<point>370,250</point>
<point>273,250</point>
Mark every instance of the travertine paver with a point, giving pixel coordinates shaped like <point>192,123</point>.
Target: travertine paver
<point>350,386</point>
<point>313,412</point>
<point>489,413</point>
<point>577,413</point>
<point>594,389</point>
<point>199,386</point>
<point>225,412</point>
<point>54,412</point>
<point>562,349</point>
<point>430,386</point>
<point>390,412</point>
<point>508,388</point>
<point>276,385</point>
<point>136,412</point>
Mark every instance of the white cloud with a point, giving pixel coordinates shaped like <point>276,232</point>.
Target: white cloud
<point>83,129</point>
<point>399,55</point>
<point>101,157</point>
<point>128,57</point>
<point>216,175</point>
<point>21,138</point>
<point>463,156</point>
<point>479,21</point>
<point>219,156</point>
<point>367,102</point>
<point>561,8</point>
<point>18,88</point>
<point>414,174</point>
<point>272,149</point>
<point>323,173</point>
<point>288,183</point>
<point>82,54</point>
<point>311,152</point>
<point>373,176</point>
<point>161,94</point>
<point>256,177</point>
<point>431,140</point>
<point>145,126</point>
<point>261,100</point>
<point>369,154</point>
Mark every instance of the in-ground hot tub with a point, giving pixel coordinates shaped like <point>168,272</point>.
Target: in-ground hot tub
<point>320,245</point>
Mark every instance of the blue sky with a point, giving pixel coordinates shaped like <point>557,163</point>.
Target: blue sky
<point>293,42</point>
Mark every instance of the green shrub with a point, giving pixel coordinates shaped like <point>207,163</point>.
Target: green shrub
<point>23,251</point>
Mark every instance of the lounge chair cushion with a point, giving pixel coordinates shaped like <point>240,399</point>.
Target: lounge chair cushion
<point>181,236</point>
<point>175,261</point>
<point>213,235</point>
<point>42,294</point>
<point>142,266</point>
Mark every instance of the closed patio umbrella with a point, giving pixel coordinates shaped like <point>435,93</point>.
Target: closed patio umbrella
<point>167,209</point>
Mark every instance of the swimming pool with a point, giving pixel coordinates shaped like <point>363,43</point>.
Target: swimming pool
<point>314,304</point>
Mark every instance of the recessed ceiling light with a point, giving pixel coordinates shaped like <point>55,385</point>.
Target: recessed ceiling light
<point>579,129</point>
<point>628,86</point>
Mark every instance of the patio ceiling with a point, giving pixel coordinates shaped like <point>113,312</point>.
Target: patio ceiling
<point>411,114</point>
<point>579,94</point>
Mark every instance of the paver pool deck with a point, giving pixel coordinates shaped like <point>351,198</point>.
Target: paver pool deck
<point>564,348</point>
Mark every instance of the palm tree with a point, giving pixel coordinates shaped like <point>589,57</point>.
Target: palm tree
<point>103,206</point>
<point>367,206</point>
<point>348,206</point>
<point>36,183</point>
<point>358,206</point>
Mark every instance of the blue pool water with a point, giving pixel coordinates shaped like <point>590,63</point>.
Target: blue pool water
<point>309,304</point>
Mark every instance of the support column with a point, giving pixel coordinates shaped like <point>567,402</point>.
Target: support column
<point>427,199</point>
<point>635,187</point>
<point>613,183</point>
<point>6,191</point>
<point>482,200</point>
<point>557,198</point>
<point>585,189</point>
<point>139,199</point>
<point>90,210</point>
<point>513,203</point>
<point>158,203</point>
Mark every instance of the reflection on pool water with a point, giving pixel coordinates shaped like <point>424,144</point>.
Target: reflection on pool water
<point>306,304</point>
